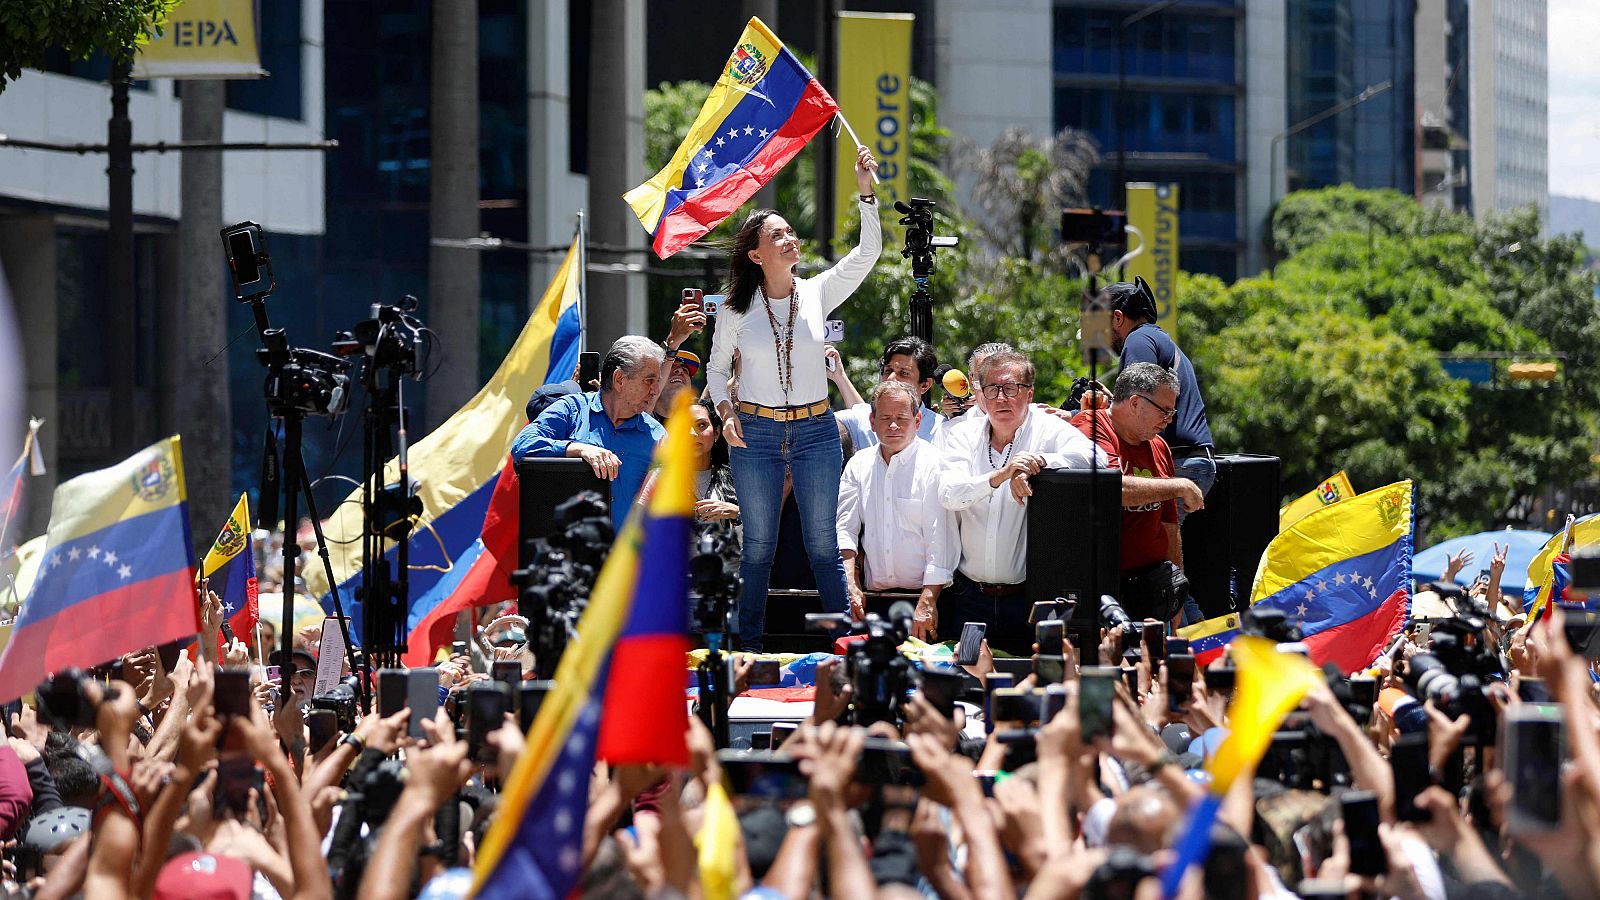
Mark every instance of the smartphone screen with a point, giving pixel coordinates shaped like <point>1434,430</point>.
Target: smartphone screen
<point>941,689</point>
<point>588,368</point>
<point>487,704</point>
<point>1364,691</point>
<point>422,695</point>
<point>1044,610</point>
<point>1408,757</point>
<point>1051,635</point>
<point>1155,642</point>
<point>781,731</point>
<point>323,725</point>
<point>1533,739</point>
<point>1221,679</point>
<point>765,672</point>
<point>530,695</point>
<point>1360,811</point>
<point>233,692</point>
<point>1180,681</point>
<point>1049,669</point>
<point>971,637</point>
<point>886,762</point>
<point>1015,705</point>
<point>1096,687</point>
<point>508,671</point>
<point>1177,645</point>
<point>391,691</point>
<point>994,682</point>
<point>763,774</point>
<point>1131,676</point>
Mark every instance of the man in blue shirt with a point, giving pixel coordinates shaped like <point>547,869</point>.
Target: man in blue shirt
<point>908,360</point>
<point>608,429</point>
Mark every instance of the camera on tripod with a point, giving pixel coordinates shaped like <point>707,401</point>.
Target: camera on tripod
<point>391,339</point>
<point>921,242</point>
<point>553,590</point>
<point>301,380</point>
<point>880,676</point>
<point>713,576</point>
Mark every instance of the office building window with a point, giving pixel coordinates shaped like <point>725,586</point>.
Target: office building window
<point>278,37</point>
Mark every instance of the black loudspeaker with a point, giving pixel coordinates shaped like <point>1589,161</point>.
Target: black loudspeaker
<point>1071,552</point>
<point>543,485</point>
<point>1223,543</point>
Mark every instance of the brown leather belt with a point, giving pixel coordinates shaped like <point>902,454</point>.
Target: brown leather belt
<point>784,413</point>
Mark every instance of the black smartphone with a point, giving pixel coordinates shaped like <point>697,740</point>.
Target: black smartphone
<point>232,692</point>
<point>458,648</point>
<point>1180,680</point>
<point>1177,645</point>
<point>1360,812</point>
<point>422,695</point>
<point>1408,757</point>
<point>237,773</point>
<point>1097,686</point>
<point>588,368</point>
<point>487,705</point>
<point>763,773</point>
<point>1130,675</point>
<point>1155,642</point>
<point>1533,690</point>
<point>1049,669</point>
<point>782,731</point>
<point>764,672</point>
<point>323,724</point>
<point>1533,740</point>
<point>1582,628</point>
<point>1018,667</point>
<point>996,681</point>
<point>507,671</point>
<point>530,695</point>
<point>985,781</point>
<point>941,689</point>
<point>967,648</point>
<point>1221,679</point>
<point>1364,690</point>
<point>1044,610</point>
<point>1051,635</point>
<point>886,762</point>
<point>1015,705</point>
<point>760,740</point>
<point>391,691</point>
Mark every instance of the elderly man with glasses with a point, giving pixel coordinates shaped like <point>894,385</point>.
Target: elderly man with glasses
<point>1143,402</point>
<point>987,463</point>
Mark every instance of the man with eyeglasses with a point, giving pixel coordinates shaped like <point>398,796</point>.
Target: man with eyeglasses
<point>987,463</point>
<point>1144,401</point>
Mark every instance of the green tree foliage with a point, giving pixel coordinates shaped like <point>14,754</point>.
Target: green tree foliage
<point>28,28</point>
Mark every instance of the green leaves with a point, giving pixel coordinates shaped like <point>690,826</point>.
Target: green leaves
<point>81,28</point>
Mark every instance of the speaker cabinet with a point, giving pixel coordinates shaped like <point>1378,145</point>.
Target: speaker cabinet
<point>543,485</point>
<point>1075,537</point>
<point>1223,543</point>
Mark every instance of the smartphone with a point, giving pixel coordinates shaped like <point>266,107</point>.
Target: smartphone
<point>1360,812</point>
<point>833,331</point>
<point>1052,699</point>
<point>232,692</point>
<point>391,691</point>
<point>693,297</point>
<point>1533,738</point>
<point>760,740</point>
<point>422,695</point>
<point>237,773</point>
<point>1048,669</point>
<point>1423,632</point>
<point>1018,667</point>
<point>530,695</point>
<point>323,725</point>
<point>986,782</point>
<point>1014,705</point>
<point>1051,637</point>
<point>1155,642</point>
<point>1180,680</point>
<point>941,690</point>
<point>1582,628</point>
<point>458,648</point>
<point>994,682</point>
<point>1130,675</point>
<point>487,705</point>
<point>1177,645</point>
<point>1097,686</point>
<point>1408,757</point>
<point>886,762</point>
<point>711,303</point>
<point>507,671</point>
<point>1045,610</point>
<point>782,731</point>
<point>763,773</point>
<point>967,648</point>
<point>765,672</point>
<point>1221,679</point>
<point>588,368</point>
<point>1533,690</point>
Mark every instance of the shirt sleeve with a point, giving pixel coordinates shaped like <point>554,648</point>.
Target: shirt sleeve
<point>1067,448</point>
<point>944,538</point>
<point>848,524</point>
<point>837,284</point>
<point>958,487</point>
<point>1106,441</point>
<point>719,369</point>
<point>548,436</point>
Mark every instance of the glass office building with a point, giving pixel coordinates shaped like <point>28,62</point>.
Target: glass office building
<point>1181,111</point>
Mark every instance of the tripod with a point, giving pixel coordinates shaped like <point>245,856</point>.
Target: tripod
<point>387,516</point>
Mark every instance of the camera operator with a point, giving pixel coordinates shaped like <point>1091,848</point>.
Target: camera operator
<point>609,429</point>
<point>910,361</point>
<point>890,518</point>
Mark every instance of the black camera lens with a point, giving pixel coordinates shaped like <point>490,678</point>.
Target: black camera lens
<point>1112,614</point>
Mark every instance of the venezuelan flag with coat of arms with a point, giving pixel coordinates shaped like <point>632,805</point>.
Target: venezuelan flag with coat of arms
<point>1343,574</point>
<point>464,545</point>
<point>233,554</point>
<point>763,109</point>
<point>117,573</point>
<point>1550,572</point>
<point>618,691</point>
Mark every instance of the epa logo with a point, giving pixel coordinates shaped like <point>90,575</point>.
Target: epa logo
<point>201,33</point>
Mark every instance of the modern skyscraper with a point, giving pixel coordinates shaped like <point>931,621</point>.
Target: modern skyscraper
<point>1509,105</point>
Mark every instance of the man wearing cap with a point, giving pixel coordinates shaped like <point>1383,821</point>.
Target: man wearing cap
<point>302,674</point>
<point>685,365</point>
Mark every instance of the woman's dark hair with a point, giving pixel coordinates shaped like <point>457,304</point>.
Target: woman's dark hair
<point>721,473</point>
<point>744,276</point>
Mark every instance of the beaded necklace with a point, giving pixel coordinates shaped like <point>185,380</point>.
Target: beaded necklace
<point>783,344</point>
<point>988,448</point>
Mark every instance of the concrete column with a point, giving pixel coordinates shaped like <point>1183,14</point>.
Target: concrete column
<point>1266,110</point>
<point>550,175</point>
<point>454,275</point>
<point>200,395</point>
<point>28,252</point>
<point>616,302</point>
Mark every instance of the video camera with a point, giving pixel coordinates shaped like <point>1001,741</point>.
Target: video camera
<point>553,589</point>
<point>391,339</point>
<point>713,576</point>
<point>1455,671</point>
<point>921,242</point>
<point>879,674</point>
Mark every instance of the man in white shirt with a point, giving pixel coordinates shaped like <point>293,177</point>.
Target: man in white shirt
<point>890,517</point>
<point>976,410</point>
<point>910,361</point>
<point>987,463</point>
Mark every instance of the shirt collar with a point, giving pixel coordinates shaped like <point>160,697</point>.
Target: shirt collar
<point>595,406</point>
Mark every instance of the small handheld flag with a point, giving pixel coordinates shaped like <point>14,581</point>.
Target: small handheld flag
<point>233,555</point>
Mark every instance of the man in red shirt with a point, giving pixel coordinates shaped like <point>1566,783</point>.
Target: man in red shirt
<point>1143,401</point>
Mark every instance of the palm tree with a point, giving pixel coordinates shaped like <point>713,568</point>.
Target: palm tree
<point>1023,181</point>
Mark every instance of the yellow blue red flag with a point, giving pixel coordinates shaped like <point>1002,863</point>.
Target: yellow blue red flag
<point>1343,574</point>
<point>1549,573</point>
<point>763,109</point>
<point>1210,639</point>
<point>535,846</point>
<point>1331,491</point>
<point>233,555</point>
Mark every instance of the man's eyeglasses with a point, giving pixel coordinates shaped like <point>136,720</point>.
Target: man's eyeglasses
<point>1008,390</point>
<point>1166,413</point>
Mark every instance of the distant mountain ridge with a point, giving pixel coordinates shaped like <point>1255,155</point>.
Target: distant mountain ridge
<point>1570,214</point>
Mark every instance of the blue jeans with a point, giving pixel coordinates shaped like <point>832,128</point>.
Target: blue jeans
<point>1202,470</point>
<point>807,449</point>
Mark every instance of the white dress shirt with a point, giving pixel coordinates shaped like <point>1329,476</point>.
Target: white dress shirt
<point>907,537</point>
<point>993,525</point>
<point>750,332</point>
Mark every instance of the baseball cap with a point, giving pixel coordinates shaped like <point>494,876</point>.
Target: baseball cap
<point>1133,299</point>
<point>203,876</point>
<point>690,360</point>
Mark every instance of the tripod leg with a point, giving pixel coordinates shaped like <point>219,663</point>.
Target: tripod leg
<point>299,463</point>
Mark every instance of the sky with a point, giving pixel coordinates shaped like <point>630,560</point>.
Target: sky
<point>1574,28</point>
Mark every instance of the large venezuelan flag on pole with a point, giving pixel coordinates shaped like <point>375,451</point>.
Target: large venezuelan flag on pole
<point>117,574</point>
<point>763,109</point>
<point>535,845</point>
<point>464,546</point>
<point>1343,573</point>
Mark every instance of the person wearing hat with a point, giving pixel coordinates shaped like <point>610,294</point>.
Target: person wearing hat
<point>302,673</point>
<point>685,365</point>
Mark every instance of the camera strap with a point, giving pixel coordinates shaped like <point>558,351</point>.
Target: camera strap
<point>120,793</point>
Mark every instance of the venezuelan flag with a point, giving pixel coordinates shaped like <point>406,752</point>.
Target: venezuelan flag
<point>464,545</point>
<point>1208,640</point>
<point>1343,573</point>
<point>1269,685</point>
<point>11,488</point>
<point>1549,573</point>
<point>1327,493</point>
<point>637,612</point>
<point>233,554</point>
<point>763,109</point>
<point>117,574</point>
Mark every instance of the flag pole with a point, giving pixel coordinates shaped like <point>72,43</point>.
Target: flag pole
<point>583,281</point>
<point>852,132</point>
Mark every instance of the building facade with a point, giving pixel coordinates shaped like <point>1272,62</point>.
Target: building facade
<point>1510,105</point>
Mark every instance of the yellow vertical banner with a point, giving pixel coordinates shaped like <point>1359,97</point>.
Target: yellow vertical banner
<point>204,39</point>
<point>1153,209</point>
<point>874,93</point>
